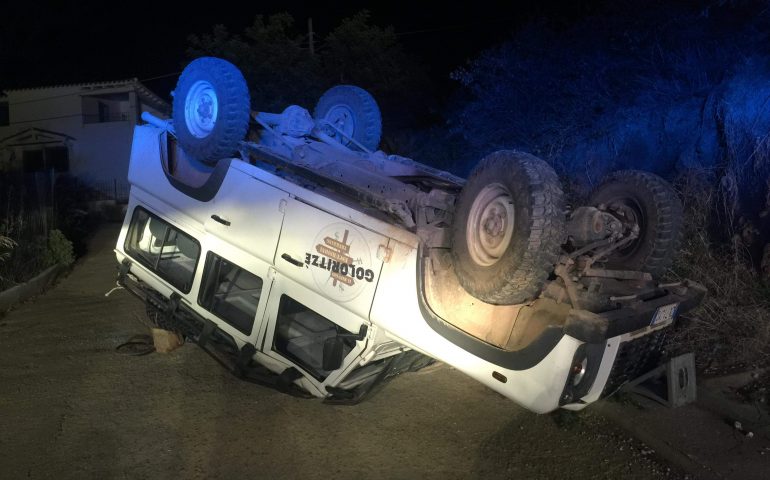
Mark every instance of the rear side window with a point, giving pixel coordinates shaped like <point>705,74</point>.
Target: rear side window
<point>230,292</point>
<point>301,333</point>
<point>164,249</point>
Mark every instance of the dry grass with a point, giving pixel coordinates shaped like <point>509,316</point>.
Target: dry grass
<point>732,326</point>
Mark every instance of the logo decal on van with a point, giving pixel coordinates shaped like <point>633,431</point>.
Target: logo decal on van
<point>340,263</point>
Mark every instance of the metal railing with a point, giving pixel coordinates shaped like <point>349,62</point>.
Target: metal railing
<point>112,190</point>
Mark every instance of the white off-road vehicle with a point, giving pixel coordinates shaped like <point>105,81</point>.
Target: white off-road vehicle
<point>304,259</point>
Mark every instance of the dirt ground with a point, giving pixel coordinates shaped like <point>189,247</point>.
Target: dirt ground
<point>72,407</point>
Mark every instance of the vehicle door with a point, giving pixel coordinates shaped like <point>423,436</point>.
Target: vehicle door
<point>299,325</point>
<point>234,289</point>
<point>247,213</point>
<point>336,258</point>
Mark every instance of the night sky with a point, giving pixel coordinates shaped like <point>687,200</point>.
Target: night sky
<point>50,43</point>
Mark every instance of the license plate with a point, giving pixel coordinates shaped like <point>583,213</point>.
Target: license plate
<point>664,314</point>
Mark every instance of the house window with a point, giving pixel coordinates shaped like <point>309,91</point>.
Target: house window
<point>105,108</point>
<point>45,159</point>
<point>104,112</point>
<point>5,116</point>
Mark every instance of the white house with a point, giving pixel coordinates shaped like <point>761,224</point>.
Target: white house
<point>83,129</point>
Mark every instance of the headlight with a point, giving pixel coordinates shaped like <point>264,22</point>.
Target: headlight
<point>582,373</point>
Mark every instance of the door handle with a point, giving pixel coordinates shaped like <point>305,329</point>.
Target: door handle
<point>221,220</point>
<point>292,260</point>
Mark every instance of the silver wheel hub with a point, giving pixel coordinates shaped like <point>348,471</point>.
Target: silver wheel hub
<point>490,225</point>
<point>341,117</point>
<point>201,108</point>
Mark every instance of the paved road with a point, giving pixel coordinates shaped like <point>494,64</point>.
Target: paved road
<point>71,407</point>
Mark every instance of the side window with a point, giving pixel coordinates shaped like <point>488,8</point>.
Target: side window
<point>300,335</point>
<point>170,253</point>
<point>230,292</point>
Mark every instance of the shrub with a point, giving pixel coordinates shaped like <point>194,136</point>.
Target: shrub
<point>41,226</point>
<point>25,261</point>
<point>677,89</point>
<point>6,245</point>
<point>60,250</point>
<point>732,325</point>
<point>34,255</point>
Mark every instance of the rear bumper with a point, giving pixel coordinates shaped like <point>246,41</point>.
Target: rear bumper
<point>635,313</point>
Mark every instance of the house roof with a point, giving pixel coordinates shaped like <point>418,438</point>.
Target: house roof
<point>105,84</point>
<point>34,135</point>
<point>98,87</point>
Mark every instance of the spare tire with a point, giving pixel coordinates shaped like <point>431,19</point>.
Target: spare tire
<point>644,199</point>
<point>352,111</point>
<point>211,109</point>
<point>508,228</point>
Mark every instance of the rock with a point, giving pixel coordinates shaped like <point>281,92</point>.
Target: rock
<point>166,341</point>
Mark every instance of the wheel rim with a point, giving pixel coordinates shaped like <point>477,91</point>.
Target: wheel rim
<point>200,109</point>
<point>490,225</point>
<point>342,118</point>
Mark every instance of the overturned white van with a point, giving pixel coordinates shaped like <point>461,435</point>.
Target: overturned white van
<point>304,259</point>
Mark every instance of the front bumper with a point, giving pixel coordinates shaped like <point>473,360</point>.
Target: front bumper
<point>213,340</point>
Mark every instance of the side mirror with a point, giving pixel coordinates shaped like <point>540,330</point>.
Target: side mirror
<point>334,348</point>
<point>333,353</point>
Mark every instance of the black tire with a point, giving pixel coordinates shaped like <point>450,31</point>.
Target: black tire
<point>523,248</point>
<point>651,202</point>
<point>354,111</point>
<point>209,133</point>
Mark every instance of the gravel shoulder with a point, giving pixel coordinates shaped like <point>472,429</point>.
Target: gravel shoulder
<point>717,437</point>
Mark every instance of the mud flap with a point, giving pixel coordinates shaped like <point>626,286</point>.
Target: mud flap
<point>205,335</point>
<point>243,360</point>
<point>125,267</point>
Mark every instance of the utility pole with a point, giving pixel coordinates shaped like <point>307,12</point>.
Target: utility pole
<point>310,36</point>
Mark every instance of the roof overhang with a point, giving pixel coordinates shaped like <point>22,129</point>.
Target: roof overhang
<point>106,88</point>
<point>35,136</point>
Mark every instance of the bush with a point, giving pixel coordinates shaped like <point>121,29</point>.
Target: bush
<point>41,225</point>
<point>651,85</point>
<point>679,89</point>
<point>732,325</point>
<point>6,245</point>
<point>59,251</point>
<point>34,255</point>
